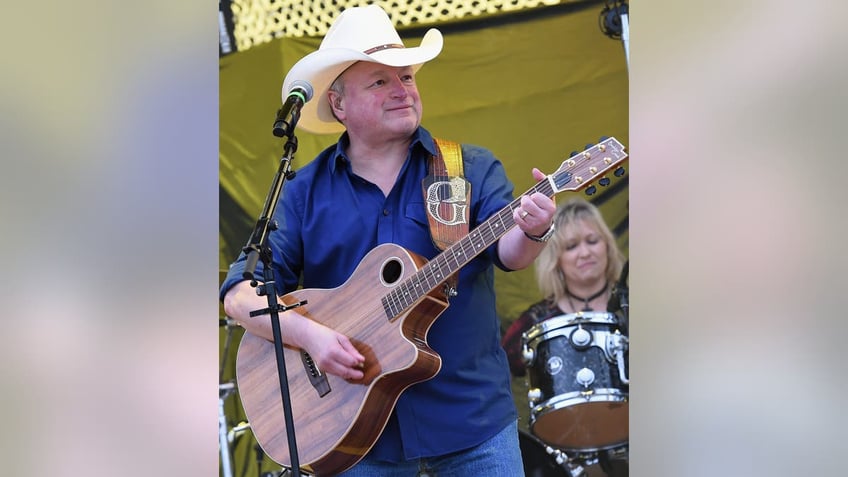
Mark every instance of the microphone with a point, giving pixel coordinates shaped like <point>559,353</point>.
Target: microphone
<point>299,94</point>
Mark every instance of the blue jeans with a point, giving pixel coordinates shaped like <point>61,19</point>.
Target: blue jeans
<point>500,456</point>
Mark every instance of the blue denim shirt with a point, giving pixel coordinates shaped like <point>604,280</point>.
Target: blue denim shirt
<point>329,218</point>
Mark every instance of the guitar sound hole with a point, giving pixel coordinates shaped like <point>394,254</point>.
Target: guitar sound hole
<point>391,271</point>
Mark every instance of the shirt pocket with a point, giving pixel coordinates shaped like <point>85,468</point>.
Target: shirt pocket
<point>416,212</point>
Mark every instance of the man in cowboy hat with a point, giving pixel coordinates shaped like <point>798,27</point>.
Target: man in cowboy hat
<point>366,190</point>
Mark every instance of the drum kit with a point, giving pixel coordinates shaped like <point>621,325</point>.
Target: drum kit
<point>577,391</point>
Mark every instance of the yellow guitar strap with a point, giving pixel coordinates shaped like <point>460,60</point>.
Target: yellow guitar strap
<point>447,195</point>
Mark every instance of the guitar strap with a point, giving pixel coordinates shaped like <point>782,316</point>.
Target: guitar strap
<point>447,194</point>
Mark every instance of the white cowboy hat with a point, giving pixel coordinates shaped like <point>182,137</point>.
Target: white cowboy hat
<point>358,34</point>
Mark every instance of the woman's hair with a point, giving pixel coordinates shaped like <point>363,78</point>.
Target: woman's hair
<point>550,279</point>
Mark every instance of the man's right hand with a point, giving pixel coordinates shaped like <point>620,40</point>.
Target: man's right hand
<point>331,351</point>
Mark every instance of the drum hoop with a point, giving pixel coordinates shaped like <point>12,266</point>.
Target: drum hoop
<point>570,320</point>
<point>577,397</point>
<point>600,339</point>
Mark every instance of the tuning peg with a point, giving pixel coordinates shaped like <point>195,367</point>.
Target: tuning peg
<point>603,138</point>
<point>573,153</point>
<point>590,190</point>
<point>604,181</point>
<point>589,146</point>
<point>619,171</point>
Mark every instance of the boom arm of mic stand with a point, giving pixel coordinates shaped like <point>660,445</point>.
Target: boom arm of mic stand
<point>256,249</point>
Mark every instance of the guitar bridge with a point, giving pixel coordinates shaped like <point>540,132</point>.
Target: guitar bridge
<point>316,377</point>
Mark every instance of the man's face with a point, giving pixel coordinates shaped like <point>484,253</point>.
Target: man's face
<point>379,101</point>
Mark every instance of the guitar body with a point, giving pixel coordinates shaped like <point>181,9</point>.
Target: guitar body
<point>335,431</point>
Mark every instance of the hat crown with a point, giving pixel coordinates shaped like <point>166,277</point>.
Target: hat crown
<point>361,29</point>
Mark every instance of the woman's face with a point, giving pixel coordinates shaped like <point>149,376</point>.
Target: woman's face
<point>583,259</point>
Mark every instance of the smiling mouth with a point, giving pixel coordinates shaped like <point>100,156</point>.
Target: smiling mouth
<point>401,107</point>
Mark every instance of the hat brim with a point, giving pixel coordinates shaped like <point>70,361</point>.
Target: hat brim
<point>320,68</point>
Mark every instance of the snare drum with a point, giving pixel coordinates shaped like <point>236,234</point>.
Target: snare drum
<point>577,379</point>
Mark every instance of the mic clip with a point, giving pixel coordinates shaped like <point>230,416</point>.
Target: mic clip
<point>281,127</point>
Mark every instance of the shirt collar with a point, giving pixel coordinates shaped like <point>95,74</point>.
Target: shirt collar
<point>420,136</point>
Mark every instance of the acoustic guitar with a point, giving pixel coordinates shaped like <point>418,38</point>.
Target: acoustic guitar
<point>386,308</point>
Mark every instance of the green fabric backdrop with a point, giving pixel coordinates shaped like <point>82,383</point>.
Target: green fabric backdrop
<point>530,87</point>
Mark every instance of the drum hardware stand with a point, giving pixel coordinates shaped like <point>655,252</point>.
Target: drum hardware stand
<point>224,391</point>
<point>564,461</point>
<point>237,431</point>
<point>619,301</point>
<point>617,344</point>
<point>257,248</point>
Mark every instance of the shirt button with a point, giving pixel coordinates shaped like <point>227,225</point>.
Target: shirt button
<point>386,212</point>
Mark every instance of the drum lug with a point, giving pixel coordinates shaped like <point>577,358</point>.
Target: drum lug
<point>528,353</point>
<point>581,338</point>
<point>533,395</point>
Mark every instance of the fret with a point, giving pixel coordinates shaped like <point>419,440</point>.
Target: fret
<point>453,252</point>
<point>442,265</point>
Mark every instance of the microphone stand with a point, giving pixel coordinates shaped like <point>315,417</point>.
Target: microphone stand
<point>256,249</point>
<point>619,303</point>
<point>620,300</point>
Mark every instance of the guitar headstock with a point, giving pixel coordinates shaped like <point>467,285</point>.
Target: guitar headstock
<point>581,169</point>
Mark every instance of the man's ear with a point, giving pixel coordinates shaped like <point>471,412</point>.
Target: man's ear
<point>336,101</point>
